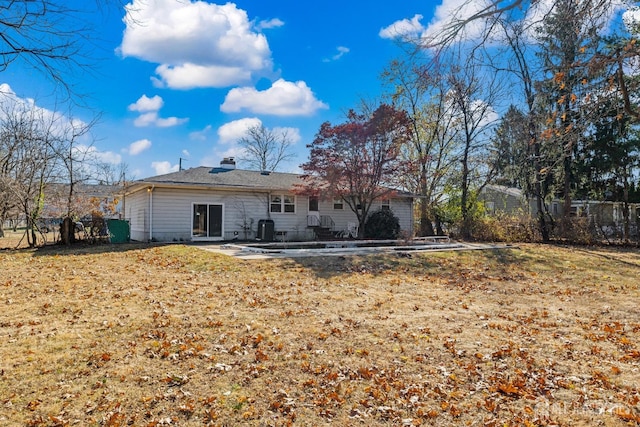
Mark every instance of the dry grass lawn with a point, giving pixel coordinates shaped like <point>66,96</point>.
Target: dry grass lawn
<point>115,335</point>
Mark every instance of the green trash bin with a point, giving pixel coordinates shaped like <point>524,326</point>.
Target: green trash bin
<point>119,231</point>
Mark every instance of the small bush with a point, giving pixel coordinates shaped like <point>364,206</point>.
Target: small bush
<point>505,228</point>
<point>579,230</point>
<point>382,224</point>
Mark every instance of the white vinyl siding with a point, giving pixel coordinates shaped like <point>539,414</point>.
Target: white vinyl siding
<point>402,208</point>
<point>136,211</point>
<point>173,211</point>
<point>173,214</point>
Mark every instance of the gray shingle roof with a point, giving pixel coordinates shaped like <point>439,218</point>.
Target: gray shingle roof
<point>224,178</point>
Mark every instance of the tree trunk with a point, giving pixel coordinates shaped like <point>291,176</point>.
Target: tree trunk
<point>625,207</point>
<point>542,222</point>
<point>426,227</point>
<point>362,218</point>
<point>67,231</point>
<point>439,230</point>
<point>464,199</point>
<point>566,210</point>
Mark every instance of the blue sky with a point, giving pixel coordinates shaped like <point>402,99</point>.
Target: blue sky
<point>183,79</point>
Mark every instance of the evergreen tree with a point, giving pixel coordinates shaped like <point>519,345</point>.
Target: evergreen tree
<point>569,40</point>
<point>511,151</point>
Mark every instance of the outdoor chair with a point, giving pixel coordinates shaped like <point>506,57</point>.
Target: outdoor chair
<point>350,231</point>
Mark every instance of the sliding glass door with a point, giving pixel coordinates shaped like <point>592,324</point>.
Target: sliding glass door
<point>207,221</point>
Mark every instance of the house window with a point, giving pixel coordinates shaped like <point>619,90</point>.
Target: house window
<point>289,204</point>
<point>313,204</point>
<point>338,204</point>
<point>490,206</point>
<point>386,205</point>
<point>276,203</point>
<point>283,203</point>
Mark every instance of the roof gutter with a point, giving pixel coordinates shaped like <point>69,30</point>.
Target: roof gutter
<point>194,186</point>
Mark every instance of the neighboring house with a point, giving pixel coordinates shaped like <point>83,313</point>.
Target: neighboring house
<point>225,203</point>
<point>607,215</point>
<point>86,199</point>
<point>498,198</point>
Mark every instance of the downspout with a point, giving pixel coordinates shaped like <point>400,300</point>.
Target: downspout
<point>150,191</point>
<point>124,202</point>
<point>412,219</point>
<point>269,205</point>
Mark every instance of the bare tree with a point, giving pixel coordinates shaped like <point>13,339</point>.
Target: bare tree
<point>430,153</point>
<point>474,93</point>
<point>265,149</point>
<point>75,161</point>
<point>26,162</point>
<point>514,34</point>
<point>487,15</point>
<point>107,173</point>
<point>50,36</point>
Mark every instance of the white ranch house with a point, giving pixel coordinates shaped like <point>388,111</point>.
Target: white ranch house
<point>224,203</point>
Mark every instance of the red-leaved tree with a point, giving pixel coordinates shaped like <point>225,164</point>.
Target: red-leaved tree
<point>357,161</point>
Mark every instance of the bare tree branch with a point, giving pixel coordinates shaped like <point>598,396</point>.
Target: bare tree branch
<point>50,36</point>
<point>265,149</point>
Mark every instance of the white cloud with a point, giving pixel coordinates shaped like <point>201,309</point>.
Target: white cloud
<point>341,52</point>
<point>450,11</point>
<point>445,14</point>
<point>230,132</point>
<point>404,28</point>
<point>198,44</point>
<point>283,98</point>
<point>268,24</point>
<point>144,104</point>
<point>169,121</point>
<point>90,152</point>
<point>603,17</point>
<point>214,158</point>
<point>293,134</point>
<point>165,167</point>
<point>145,119</point>
<point>139,146</point>
<point>108,157</point>
<point>200,135</point>
<point>148,107</point>
<point>483,114</point>
<point>186,153</point>
<point>189,76</point>
<point>631,18</point>
<point>59,125</point>
<point>47,120</point>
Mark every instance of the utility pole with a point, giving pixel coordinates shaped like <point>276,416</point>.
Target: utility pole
<point>180,163</point>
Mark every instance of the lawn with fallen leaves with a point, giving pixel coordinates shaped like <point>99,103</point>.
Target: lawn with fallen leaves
<point>116,335</point>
